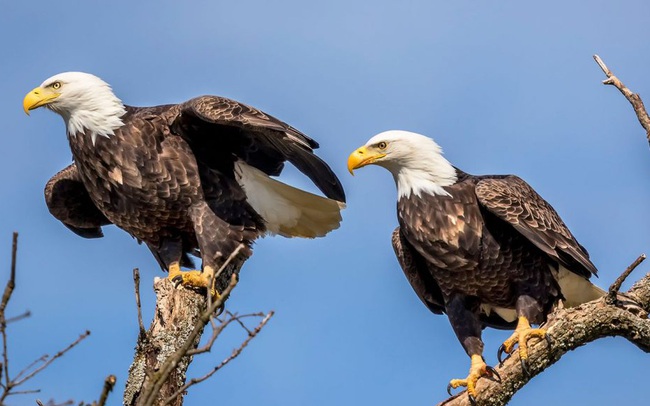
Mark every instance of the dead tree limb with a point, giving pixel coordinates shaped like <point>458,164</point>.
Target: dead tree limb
<point>570,328</point>
<point>633,98</point>
<point>109,384</point>
<point>164,352</point>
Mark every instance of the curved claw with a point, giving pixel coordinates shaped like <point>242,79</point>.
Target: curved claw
<point>449,390</point>
<point>220,310</point>
<point>177,280</point>
<point>549,340</point>
<point>500,352</point>
<point>472,400</point>
<point>493,375</point>
<point>524,367</point>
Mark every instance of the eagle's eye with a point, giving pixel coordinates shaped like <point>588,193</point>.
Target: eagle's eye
<point>56,85</point>
<point>382,145</point>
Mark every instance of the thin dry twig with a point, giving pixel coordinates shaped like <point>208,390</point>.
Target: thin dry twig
<point>633,98</point>
<point>241,323</point>
<point>109,384</point>
<point>9,384</point>
<point>216,330</point>
<point>9,288</point>
<point>48,361</point>
<point>51,403</point>
<point>19,317</point>
<point>30,366</point>
<point>616,286</point>
<point>136,281</point>
<point>235,353</point>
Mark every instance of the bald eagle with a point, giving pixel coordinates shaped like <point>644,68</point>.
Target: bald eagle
<point>485,250</point>
<point>188,178</point>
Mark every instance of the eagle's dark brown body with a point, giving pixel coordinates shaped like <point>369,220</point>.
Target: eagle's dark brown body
<point>469,251</point>
<point>485,250</point>
<point>167,177</point>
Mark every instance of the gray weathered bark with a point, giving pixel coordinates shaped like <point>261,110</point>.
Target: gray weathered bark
<point>160,364</point>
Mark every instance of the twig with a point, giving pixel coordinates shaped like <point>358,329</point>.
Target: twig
<point>51,403</point>
<point>235,353</point>
<point>30,366</point>
<point>9,288</point>
<point>633,98</point>
<point>19,317</point>
<point>616,286</point>
<point>51,360</point>
<point>109,384</point>
<point>24,392</point>
<point>136,282</point>
<point>216,330</point>
<point>241,323</point>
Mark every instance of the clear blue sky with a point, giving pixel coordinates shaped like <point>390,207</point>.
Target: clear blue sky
<point>504,88</point>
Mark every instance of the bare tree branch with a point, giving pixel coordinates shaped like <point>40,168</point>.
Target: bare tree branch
<point>109,384</point>
<point>633,98</point>
<point>47,360</point>
<point>235,353</point>
<point>9,288</point>
<point>136,283</point>
<point>216,330</point>
<point>569,328</point>
<point>9,384</point>
<point>616,286</point>
<point>25,315</point>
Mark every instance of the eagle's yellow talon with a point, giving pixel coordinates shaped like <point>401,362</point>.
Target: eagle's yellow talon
<point>520,337</point>
<point>477,369</point>
<point>193,279</point>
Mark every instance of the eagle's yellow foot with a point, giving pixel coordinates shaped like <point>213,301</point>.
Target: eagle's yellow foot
<point>477,369</point>
<point>520,337</point>
<point>193,279</point>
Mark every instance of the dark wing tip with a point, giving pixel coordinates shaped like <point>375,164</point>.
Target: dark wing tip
<point>95,232</point>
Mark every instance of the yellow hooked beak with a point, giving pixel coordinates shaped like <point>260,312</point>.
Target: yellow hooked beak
<point>38,97</point>
<point>362,157</point>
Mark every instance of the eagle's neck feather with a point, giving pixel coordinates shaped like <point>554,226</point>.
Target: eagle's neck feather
<point>98,114</point>
<point>416,182</point>
<point>423,174</point>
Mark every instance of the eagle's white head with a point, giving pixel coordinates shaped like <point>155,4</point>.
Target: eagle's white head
<point>83,100</point>
<point>415,161</point>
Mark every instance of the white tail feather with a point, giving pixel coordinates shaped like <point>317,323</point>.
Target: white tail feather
<point>508,315</point>
<point>288,211</point>
<point>576,289</point>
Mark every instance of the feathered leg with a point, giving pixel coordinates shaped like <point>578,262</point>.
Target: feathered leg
<point>528,310</point>
<point>217,241</point>
<point>464,318</point>
<point>170,256</point>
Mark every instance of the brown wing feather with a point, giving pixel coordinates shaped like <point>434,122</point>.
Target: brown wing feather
<point>416,271</point>
<point>229,130</point>
<point>68,201</point>
<point>511,199</point>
